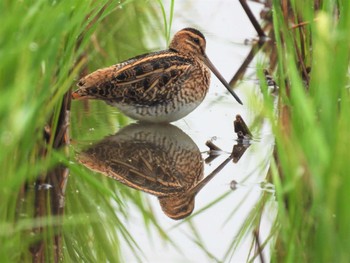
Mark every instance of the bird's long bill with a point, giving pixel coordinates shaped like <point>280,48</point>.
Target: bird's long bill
<point>220,77</point>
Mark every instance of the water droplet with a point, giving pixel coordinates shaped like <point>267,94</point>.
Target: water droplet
<point>33,46</point>
<point>268,187</point>
<point>44,186</point>
<point>233,185</point>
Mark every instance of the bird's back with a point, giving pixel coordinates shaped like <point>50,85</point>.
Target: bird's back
<point>150,87</point>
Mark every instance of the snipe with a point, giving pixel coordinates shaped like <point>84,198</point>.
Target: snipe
<point>157,87</point>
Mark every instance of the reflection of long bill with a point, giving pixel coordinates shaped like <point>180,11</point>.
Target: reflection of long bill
<point>237,152</point>
<point>194,190</point>
<point>220,77</point>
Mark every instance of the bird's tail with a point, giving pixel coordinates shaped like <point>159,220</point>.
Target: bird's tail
<point>89,87</point>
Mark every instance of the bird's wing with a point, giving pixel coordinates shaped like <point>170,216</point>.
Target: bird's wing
<point>150,80</point>
<point>142,80</point>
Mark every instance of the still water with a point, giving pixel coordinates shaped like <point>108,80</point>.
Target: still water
<point>171,164</point>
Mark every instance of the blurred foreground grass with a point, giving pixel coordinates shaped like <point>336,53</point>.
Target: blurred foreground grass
<point>311,169</point>
<point>43,47</point>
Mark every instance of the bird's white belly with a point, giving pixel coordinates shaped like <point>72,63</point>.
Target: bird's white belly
<point>157,114</point>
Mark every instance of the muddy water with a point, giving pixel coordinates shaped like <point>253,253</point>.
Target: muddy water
<point>216,211</point>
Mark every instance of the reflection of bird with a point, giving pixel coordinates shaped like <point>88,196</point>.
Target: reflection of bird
<point>157,87</point>
<point>157,159</point>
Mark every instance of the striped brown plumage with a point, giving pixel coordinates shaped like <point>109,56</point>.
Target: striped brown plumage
<point>157,87</point>
<point>155,158</point>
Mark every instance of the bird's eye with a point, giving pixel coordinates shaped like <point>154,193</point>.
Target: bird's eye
<point>196,40</point>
